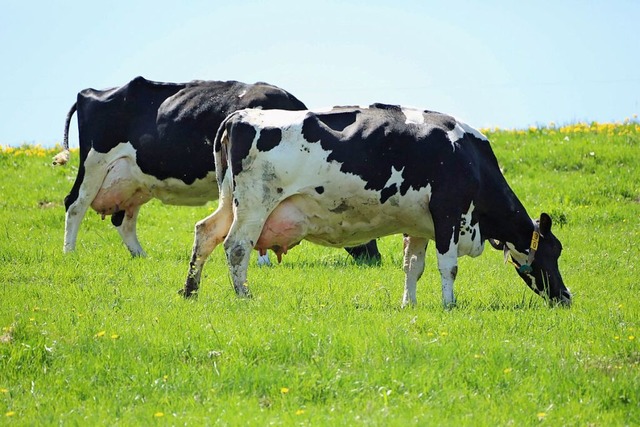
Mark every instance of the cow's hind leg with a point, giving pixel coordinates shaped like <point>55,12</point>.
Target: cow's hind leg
<point>367,253</point>
<point>84,190</point>
<point>209,233</point>
<point>414,253</point>
<point>238,246</point>
<point>125,223</point>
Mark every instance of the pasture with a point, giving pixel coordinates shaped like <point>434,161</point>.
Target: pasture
<point>98,338</point>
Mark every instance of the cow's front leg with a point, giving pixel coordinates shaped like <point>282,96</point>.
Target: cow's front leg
<point>448,266</point>
<point>413,266</point>
<point>209,233</point>
<point>125,223</point>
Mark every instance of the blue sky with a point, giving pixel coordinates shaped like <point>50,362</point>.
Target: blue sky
<point>508,64</point>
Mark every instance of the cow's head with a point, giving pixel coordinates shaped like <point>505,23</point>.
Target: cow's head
<point>539,266</point>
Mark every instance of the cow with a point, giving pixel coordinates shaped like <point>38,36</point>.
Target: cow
<point>350,174</point>
<point>147,140</point>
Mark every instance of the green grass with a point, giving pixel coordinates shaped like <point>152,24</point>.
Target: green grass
<point>98,338</point>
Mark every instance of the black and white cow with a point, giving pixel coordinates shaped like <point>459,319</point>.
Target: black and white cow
<point>344,176</point>
<point>148,140</point>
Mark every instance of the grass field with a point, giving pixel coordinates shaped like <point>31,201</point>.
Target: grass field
<point>98,338</point>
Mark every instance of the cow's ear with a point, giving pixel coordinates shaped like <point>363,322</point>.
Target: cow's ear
<point>545,224</point>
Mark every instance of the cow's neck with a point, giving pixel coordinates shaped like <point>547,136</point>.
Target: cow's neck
<point>507,221</point>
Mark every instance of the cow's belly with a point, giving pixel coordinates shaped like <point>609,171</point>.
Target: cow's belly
<point>120,191</point>
<point>301,217</point>
<point>126,187</point>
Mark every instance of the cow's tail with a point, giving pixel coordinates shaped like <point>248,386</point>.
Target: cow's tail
<point>221,147</point>
<point>63,157</point>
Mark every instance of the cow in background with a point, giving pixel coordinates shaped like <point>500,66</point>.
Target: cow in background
<point>148,140</point>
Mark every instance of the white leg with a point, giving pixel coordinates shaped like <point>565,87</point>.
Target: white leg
<point>238,246</point>
<point>127,231</point>
<point>72,221</point>
<point>448,266</point>
<point>414,254</point>
<point>95,172</point>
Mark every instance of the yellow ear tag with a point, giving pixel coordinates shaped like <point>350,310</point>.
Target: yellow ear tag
<point>534,240</point>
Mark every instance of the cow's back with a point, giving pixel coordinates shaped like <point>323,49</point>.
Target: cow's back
<point>202,105</point>
<point>189,120</point>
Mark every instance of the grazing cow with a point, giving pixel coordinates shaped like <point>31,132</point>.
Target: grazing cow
<point>148,140</point>
<point>350,174</point>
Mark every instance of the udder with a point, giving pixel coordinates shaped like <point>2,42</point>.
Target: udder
<point>284,228</point>
<point>120,190</point>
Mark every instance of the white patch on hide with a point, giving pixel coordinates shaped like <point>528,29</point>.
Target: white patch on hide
<point>414,116</point>
<point>395,178</point>
<point>460,129</point>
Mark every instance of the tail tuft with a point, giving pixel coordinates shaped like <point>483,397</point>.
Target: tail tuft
<point>61,158</point>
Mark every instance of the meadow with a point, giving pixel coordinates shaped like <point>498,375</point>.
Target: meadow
<point>98,338</point>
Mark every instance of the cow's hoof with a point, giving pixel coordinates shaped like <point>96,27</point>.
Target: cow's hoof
<point>449,305</point>
<point>188,293</point>
<point>244,292</point>
<point>408,304</point>
<point>368,260</point>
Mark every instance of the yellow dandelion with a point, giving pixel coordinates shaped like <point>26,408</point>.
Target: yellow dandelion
<point>10,414</point>
<point>429,334</point>
<point>100,334</point>
<point>115,336</point>
<point>165,378</point>
<point>631,338</point>
<point>4,390</point>
<point>541,415</point>
<point>284,390</point>
<point>300,412</point>
<point>507,370</point>
<point>158,414</point>
<point>477,356</point>
<point>444,334</point>
<point>617,337</point>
